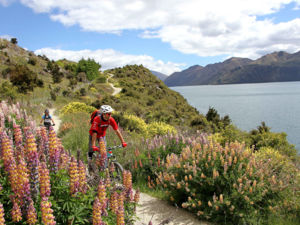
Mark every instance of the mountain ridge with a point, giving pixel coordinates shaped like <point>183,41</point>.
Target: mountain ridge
<point>274,67</point>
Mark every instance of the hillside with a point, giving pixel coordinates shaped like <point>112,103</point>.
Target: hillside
<point>148,97</point>
<point>24,75</point>
<point>275,67</point>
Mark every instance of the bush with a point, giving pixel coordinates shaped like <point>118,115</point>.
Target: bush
<point>226,185</point>
<point>23,78</point>
<point>76,107</point>
<point>160,128</point>
<point>32,61</point>
<point>8,91</point>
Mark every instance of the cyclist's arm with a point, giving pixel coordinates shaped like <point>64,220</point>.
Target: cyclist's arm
<point>119,135</point>
<point>94,138</point>
<point>42,120</point>
<point>52,121</point>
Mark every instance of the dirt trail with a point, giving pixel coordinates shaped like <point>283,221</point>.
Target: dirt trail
<point>56,119</point>
<point>116,90</point>
<point>163,213</point>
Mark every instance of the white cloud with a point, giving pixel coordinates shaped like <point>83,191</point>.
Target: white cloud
<point>109,58</point>
<point>204,28</point>
<point>6,36</point>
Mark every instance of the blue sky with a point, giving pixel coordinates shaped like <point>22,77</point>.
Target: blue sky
<point>165,36</point>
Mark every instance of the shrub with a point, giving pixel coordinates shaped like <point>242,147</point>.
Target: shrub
<point>223,184</point>
<point>23,78</point>
<point>32,61</point>
<point>160,128</point>
<point>76,107</point>
<point>7,90</point>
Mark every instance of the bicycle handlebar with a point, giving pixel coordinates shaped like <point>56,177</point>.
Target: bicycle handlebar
<point>114,147</point>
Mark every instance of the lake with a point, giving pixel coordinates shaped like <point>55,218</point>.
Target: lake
<point>277,104</point>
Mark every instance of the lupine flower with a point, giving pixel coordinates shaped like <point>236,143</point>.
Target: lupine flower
<point>107,181</point>
<point>114,202</point>
<point>31,214</point>
<point>120,216</point>
<point>54,151</point>
<point>127,179</point>
<point>17,135</point>
<point>23,181</point>
<point>47,212</point>
<point>45,188</point>
<point>137,196</point>
<point>82,177</point>
<point>74,176</point>
<point>97,212</point>
<point>102,158</point>
<point>16,212</point>
<point>64,160</point>
<point>7,152</point>
<point>121,200</point>
<point>102,193</point>
<point>2,220</point>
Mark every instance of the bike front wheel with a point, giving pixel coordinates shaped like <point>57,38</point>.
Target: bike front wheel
<point>117,174</point>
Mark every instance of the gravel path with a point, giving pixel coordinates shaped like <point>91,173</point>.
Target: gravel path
<point>162,213</point>
<point>56,119</point>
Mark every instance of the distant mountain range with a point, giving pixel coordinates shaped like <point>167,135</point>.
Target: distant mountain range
<point>274,67</point>
<point>159,75</point>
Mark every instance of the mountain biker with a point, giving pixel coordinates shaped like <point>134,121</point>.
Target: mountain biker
<point>98,129</point>
<point>47,119</point>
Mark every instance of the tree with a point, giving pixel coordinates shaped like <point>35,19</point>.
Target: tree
<point>90,67</point>
<point>22,77</point>
<point>14,41</point>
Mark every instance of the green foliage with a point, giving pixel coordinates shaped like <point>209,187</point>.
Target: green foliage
<point>82,91</point>
<point>8,91</point>
<point>23,78</point>
<point>90,67</point>
<point>75,132</point>
<point>101,79</point>
<point>262,137</point>
<point>68,209</point>
<point>14,41</point>
<point>32,61</point>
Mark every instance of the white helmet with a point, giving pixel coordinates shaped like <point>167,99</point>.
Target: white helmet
<point>106,109</point>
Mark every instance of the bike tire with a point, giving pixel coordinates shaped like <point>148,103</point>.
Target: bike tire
<point>117,175</point>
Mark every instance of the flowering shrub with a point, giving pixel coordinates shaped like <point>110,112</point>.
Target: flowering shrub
<point>224,184</point>
<point>160,128</point>
<point>138,125</point>
<point>77,107</point>
<point>42,184</point>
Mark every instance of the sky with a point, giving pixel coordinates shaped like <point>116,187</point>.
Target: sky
<point>163,35</point>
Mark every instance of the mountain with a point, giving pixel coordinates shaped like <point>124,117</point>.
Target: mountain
<point>274,67</point>
<point>159,75</point>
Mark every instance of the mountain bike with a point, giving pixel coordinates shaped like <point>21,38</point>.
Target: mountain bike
<point>113,167</point>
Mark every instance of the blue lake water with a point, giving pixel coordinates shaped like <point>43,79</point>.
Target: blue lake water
<point>277,104</point>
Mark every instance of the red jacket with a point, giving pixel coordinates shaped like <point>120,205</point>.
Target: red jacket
<point>100,126</point>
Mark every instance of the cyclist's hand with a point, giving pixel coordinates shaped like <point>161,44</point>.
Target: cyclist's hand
<point>95,149</point>
<point>124,144</point>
